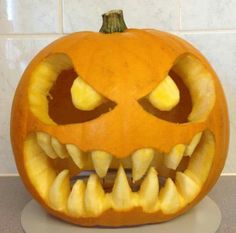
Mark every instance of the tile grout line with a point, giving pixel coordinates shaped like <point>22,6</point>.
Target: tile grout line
<point>206,31</point>
<point>31,36</point>
<point>9,174</point>
<point>50,35</point>
<point>60,15</point>
<point>228,174</point>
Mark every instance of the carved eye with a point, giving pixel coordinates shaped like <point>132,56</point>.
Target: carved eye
<point>166,95</point>
<point>84,97</point>
<point>187,93</point>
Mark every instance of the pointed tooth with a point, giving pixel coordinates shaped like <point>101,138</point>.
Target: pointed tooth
<point>76,154</point>
<point>148,192</point>
<point>59,191</point>
<point>44,141</point>
<point>101,161</point>
<point>141,160</point>
<point>166,95</point>
<point>121,192</point>
<point>75,205</point>
<point>202,158</point>
<point>170,200</point>
<point>193,144</point>
<point>187,187</point>
<point>95,199</point>
<point>59,148</point>
<point>173,159</point>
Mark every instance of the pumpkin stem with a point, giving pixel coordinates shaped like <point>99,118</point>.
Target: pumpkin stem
<point>113,21</point>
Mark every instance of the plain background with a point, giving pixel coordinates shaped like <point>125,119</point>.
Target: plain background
<point>26,26</point>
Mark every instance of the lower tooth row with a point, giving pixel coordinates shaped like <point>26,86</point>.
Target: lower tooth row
<point>91,200</point>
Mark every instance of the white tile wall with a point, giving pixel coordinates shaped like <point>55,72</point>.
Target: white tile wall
<point>208,14</point>
<point>86,15</point>
<point>29,16</point>
<point>28,25</point>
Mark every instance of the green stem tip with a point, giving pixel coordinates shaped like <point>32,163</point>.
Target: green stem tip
<point>113,21</point>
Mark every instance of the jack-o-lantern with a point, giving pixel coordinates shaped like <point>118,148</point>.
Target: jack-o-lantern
<point>119,127</point>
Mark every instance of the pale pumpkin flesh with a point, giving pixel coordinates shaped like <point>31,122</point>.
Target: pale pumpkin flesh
<point>123,158</point>
<point>140,189</point>
<point>117,193</point>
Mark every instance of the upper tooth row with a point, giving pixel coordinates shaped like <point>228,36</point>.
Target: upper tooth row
<point>141,159</point>
<point>173,158</point>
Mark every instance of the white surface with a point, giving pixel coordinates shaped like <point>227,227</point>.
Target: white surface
<point>19,18</point>
<point>204,218</point>
<point>208,14</point>
<point>28,16</point>
<point>86,15</point>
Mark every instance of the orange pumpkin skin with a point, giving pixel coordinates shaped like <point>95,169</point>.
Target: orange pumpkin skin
<point>143,57</point>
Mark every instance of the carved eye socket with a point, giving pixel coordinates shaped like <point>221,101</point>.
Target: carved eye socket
<point>187,94</point>
<point>58,96</point>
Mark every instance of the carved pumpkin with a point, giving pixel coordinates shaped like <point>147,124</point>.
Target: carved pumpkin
<point>120,127</point>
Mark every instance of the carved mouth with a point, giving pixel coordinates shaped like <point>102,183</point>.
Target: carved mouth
<point>85,184</point>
